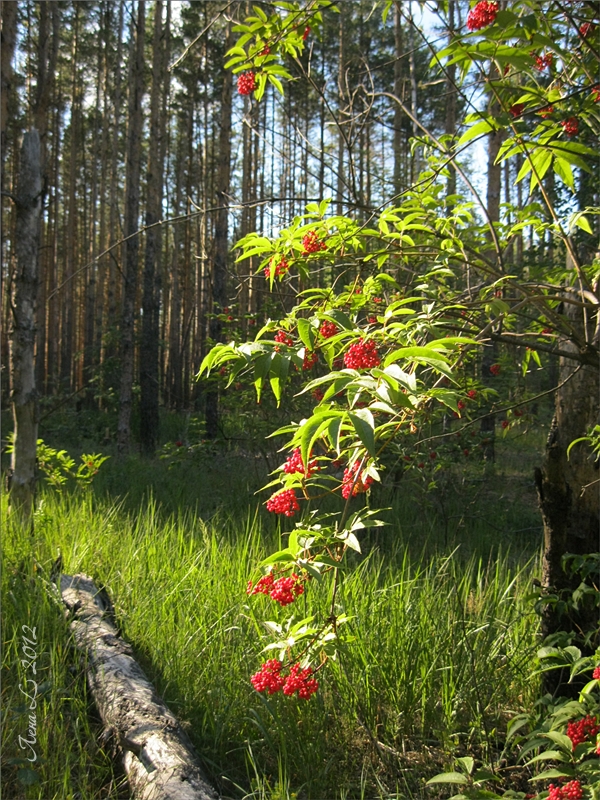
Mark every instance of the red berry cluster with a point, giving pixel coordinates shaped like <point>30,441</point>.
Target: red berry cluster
<point>270,679</point>
<point>571,126</point>
<point>283,338</point>
<point>353,485</point>
<point>246,83</point>
<point>299,680</point>
<point>596,93</point>
<point>284,590</point>
<point>277,269</point>
<point>505,423</point>
<point>586,29</point>
<point>284,502</point>
<point>546,111</point>
<point>318,394</point>
<point>582,729</point>
<point>482,15</point>
<point>328,329</point>
<point>294,464</point>
<point>495,369</point>
<point>541,62</point>
<point>472,393</point>
<point>362,355</point>
<point>312,244</point>
<point>516,110</point>
<point>596,674</point>
<point>570,791</point>
<point>310,359</point>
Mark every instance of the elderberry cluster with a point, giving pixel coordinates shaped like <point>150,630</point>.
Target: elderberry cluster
<point>246,83</point>
<point>283,590</point>
<point>328,329</point>
<point>284,502</point>
<point>482,15</point>
<point>570,791</point>
<point>353,483</point>
<point>277,269</point>
<point>362,355</point>
<point>270,679</point>
<point>295,464</point>
<point>582,729</point>
<point>312,244</point>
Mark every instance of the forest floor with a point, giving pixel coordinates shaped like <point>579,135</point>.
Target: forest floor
<point>444,629</point>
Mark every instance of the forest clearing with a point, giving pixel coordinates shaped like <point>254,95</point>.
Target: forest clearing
<point>300,400</point>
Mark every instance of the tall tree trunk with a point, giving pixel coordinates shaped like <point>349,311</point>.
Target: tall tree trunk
<point>8,38</point>
<point>567,487</point>
<point>219,270</point>
<point>24,396</point>
<point>132,243</point>
<point>450,121</point>
<point>494,187</point>
<point>149,419</point>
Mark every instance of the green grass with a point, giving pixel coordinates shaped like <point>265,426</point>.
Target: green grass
<point>444,636</point>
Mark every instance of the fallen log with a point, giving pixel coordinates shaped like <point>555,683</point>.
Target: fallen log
<point>159,760</point>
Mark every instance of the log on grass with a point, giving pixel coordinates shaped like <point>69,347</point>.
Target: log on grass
<point>159,759</point>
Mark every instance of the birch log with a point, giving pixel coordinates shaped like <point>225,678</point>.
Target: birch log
<point>159,759</point>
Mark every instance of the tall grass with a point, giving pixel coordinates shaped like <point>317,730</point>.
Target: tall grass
<point>440,657</point>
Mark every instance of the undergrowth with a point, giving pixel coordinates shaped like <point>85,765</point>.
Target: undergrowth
<point>444,636</point>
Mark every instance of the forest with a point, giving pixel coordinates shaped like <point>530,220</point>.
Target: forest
<point>300,399</point>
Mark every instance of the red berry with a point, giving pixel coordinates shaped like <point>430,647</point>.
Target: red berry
<point>312,244</point>
<point>482,15</point>
<point>546,111</point>
<point>596,93</point>
<point>362,355</point>
<point>277,268</point>
<point>353,484</point>
<point>283,338</point>
<point>294,464</point>
<point>505,423</point>
<point>461,404</point>
<point>328,329</point>
<point>286,590</point>
<point>300,680</point>
<point>516,110</point>
<point>310,359</point>
<point>582,729</point>
<point>433,455</point>
<point>571,126</point>
<point>541,62</point>
<point>586,29</point>
<point>246,83</point>
<point>306,33</point>
<point>596,674</point>
<point>269,677</point>
<point>472,393</point>
<point>284,502</point>
<point>495,369</point>
<point>318,394</point>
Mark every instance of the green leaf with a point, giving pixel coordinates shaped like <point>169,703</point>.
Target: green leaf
<point>449,777</point>
<point>564,772</point>
<point>364,424</point>
<point>467,762</point>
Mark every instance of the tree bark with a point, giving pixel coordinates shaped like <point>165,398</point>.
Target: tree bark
<point>159,760</point>
<point>219,270</point>
<point>149,419</point>
<point>568,488</point>
<point>24,396</point>
<point>132,243</point>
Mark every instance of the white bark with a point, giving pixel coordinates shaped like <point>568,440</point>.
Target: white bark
<point>159,759</point>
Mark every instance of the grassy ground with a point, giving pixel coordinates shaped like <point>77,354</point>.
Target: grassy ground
<point>444,631</point>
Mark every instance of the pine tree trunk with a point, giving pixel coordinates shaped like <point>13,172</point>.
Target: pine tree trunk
<point>132,243</point>
<point>24,397</point>
<point>149,419</point>
<point>219,270</point>
<point>568,488</point>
